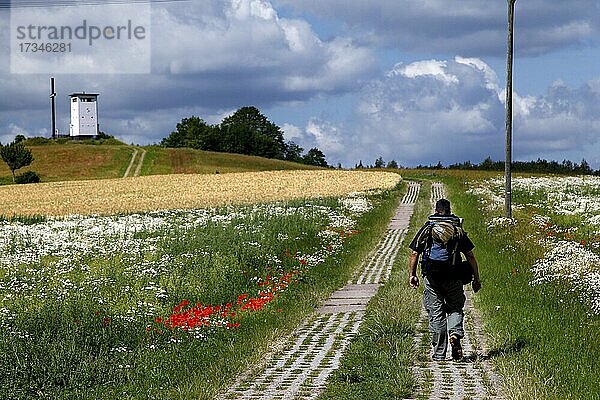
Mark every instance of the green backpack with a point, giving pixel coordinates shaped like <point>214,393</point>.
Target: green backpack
<point>446,231</point>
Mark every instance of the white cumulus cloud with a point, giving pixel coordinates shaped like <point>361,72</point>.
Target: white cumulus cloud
<point>471,27</point>
<point>453,111</point>
<point>433,68</point>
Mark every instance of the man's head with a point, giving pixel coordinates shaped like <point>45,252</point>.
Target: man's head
<point>442,206</point>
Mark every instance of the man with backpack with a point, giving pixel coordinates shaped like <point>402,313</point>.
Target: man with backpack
<point>440,243</point>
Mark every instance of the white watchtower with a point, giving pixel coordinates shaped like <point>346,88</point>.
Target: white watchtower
<point>84,115</point>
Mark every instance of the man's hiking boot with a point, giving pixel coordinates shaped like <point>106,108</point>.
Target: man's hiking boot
<point>457,353</point>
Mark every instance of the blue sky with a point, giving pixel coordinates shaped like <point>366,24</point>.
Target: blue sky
<point>417,82</point>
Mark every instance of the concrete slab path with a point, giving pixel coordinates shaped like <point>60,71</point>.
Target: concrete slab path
<point>140,163</point>
<point>300,370</point>
<point>471,379</point>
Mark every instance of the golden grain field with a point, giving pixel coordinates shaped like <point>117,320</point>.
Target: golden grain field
<point>160,192</point>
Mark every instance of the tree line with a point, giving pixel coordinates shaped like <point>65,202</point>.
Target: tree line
<point>566,167</point>
<point>379,163</point>
<point>248,132</point>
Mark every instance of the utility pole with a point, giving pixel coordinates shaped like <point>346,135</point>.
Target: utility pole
<point>53,100</point>
<point>508,160</point>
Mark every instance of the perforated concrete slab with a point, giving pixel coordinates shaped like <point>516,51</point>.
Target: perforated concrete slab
<point>342,302</point>
<point>301,369</point>
<point>354,290</point>
<point>341,308</point>
<point>472,379</point>
<point>350,298</point>
<point>401,218</point>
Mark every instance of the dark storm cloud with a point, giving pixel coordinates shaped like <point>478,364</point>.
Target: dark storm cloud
<point>466,27</point>
<point>210,57</point>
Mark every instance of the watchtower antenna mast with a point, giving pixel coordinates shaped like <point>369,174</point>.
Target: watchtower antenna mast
<point>53,102</point>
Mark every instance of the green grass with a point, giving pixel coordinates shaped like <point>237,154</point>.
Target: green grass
<point>74,161</point>
<point>66,332</point>
<point>378,362</point>
<point>25,220</point>
<point>544,342</point>
<point>69,160</point>
<point>161,160</point>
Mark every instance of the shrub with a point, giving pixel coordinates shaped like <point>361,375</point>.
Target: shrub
<point>27,177</point>
<point>16,156</point>
<point>37,141</point>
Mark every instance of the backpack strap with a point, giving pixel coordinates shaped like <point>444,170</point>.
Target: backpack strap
<point>453,219</point>
<point>424,240</point>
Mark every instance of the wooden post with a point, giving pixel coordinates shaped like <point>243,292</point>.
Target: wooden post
<point>508,160</point>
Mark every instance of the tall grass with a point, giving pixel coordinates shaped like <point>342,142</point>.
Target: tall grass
<point>74,161</point>
<point>544,340</point>
<point>82,323</point>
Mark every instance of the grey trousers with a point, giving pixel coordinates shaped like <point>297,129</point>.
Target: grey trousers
<point>444,301</point>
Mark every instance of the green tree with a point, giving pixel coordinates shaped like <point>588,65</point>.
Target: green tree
<point>20,138</point>
<point>104,135</point>
<point>247,131</point>
<point>16,156</point>
<point>379,163</point>
<point>583,168</point>
<point>487,164</point>
<point>293,152</point>
<point>315,157</point>
<point>194,133</point>
<point>392,164</point>
<point>567,165</point>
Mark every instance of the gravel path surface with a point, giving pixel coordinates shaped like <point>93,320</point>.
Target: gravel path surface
<point>300,370</point>
<point>140,162</point>
<point>128,170</point>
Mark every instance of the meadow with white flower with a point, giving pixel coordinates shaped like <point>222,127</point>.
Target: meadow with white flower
<point>541,279</point>
<point>565,212</point>
<point>160,304</point>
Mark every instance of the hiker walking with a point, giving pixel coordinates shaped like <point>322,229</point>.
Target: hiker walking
<point>440,243</point>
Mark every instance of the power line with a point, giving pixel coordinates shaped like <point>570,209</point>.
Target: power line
<point>75,3</point>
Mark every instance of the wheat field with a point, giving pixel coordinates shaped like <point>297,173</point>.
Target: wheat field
<point>160,192</point>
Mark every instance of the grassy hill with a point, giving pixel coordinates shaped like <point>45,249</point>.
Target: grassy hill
<point>78,161</point>
<point>160,161</point>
